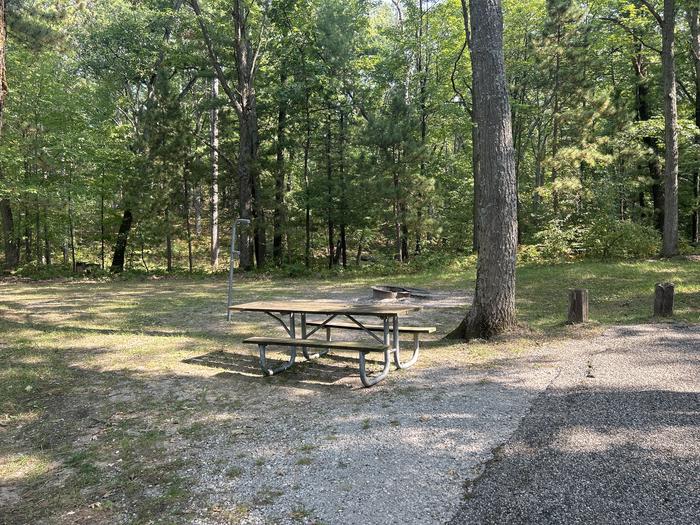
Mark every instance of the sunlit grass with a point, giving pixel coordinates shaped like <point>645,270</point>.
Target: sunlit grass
<point>78,354</point>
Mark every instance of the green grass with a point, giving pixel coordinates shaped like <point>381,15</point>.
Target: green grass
<point>98,401</point>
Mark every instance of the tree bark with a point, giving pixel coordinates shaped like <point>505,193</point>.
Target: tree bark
<point>120,246</point>
<point>307,191</point>
<point>493,309</point>
<point>670,241</point>
<point>694,23</point>
<point>243,100</point>
<point>168,242</point>
<point>8,232</point>
<point>188,224</point>
<point>667,22</point>
<point>214,158</point>
<point>329,196</point>
<point>3,70</point>
<point>280,186</point>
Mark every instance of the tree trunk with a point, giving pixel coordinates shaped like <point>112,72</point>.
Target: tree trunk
<point>670,237</point>
<point>493,309</point>
<point>47,241</point>
<point>168,242</point>
<point>8,232</point>
<point>329,196</point>
<point>188,225</point>
<point>122,239</point>
<point>3,72</point>
<point>280,185</point>
<point>71,229</point>
<point>694,23</point>
<point>102,230</point>
<point>307,194</point>
<point>343,194</point>
<point>214,158</point>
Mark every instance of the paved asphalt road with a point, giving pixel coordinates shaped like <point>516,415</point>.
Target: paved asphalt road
<point>614,440</point>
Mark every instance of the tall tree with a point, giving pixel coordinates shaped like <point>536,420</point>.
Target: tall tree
<point>694,24</point>
<point>493,309</point>
<point>244,100</point>
<point>667,22</point>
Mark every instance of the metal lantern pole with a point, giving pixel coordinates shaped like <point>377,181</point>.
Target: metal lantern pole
<point>233,254</point>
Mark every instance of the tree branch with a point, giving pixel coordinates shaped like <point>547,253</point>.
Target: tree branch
<point>194,4</point>
<point>653,11</point>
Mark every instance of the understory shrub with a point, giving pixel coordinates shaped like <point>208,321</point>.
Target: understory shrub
<point>613,239</point>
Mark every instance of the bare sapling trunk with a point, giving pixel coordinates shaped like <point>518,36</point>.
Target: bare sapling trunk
<point>493,309</point>
<point>214,158</point>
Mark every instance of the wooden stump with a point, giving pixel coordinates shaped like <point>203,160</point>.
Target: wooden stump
<point>663,300</point>
<point>578,306</point>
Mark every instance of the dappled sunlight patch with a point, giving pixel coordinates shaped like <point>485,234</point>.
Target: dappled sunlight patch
<point>22,467</point>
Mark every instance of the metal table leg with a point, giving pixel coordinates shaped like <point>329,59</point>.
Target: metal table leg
<point>369,381</point>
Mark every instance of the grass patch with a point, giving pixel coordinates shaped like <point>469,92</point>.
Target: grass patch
<point>97,401</point>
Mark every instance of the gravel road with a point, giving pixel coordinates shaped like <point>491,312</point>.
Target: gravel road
<point>614,439</point>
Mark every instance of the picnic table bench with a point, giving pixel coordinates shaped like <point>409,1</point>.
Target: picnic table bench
<point>287,312</point>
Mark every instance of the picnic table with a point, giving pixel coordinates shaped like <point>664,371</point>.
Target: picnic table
<point>287,313</point>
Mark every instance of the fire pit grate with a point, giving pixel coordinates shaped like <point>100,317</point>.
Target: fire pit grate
<point>399,292</point>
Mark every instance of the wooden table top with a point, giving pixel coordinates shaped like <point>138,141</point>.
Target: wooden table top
<point>325,307</point>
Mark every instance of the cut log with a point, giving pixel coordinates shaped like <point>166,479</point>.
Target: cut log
<point>663,300</point>
<point>578,306</point>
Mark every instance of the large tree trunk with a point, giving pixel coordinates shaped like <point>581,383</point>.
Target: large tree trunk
<point>670,243</point>
<point>214,158</point>
<point>667,22</point>
<point>493,310</point>
<point>8,232</point>
<point>120,246</point>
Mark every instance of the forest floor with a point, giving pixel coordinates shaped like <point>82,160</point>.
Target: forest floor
<point>134,401</point>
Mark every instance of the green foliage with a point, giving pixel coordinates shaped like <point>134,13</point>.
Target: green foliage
<point>613,239</point>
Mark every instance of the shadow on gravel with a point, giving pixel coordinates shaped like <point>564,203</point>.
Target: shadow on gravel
<point>595,457</point>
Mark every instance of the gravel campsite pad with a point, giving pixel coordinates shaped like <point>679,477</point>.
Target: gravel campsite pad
<point>613,440</point>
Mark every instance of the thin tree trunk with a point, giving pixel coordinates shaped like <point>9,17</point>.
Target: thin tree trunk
<point>214,158</point>
<point>47,240</point>
<point>307,193</point>
<point>102,225</point>
<point>3,72</point>
<point>329,189</point>
<point>71,229</point>
<point>694,23</point>
<point>168,242</point>
<point>493,309</point>
<point>37,230</point>
<point>280,181</point>
<point>188,225</point>
<point>343,193</point>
